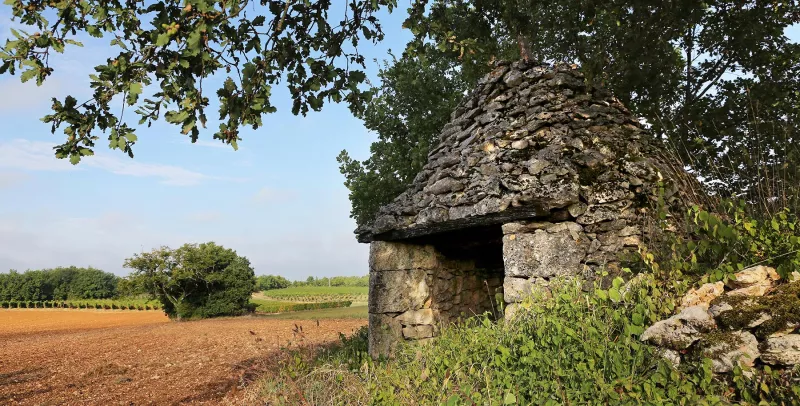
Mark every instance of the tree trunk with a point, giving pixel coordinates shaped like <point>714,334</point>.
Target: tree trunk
<point>524,47</point>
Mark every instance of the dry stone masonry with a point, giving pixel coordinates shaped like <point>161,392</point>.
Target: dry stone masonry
<point>537,176</point>
<point>753,319</point>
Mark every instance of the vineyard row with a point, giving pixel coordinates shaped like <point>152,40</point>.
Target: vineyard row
<point>29,304</point>
<point>293,307</point>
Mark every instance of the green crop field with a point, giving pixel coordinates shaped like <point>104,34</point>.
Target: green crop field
<point>275,306</point>
<point>317,294</point>
<point>352,312</point>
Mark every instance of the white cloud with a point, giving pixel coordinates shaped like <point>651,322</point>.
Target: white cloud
<point>270,195</point>
<point>38,156</point>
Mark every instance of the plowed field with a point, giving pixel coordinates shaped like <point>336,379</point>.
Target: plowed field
<point>86,357</point>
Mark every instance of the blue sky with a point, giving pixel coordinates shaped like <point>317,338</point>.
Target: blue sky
<point>279,200</point>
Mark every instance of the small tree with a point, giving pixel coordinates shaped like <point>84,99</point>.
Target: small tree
<point>196,281</point>
<point>267,282</point>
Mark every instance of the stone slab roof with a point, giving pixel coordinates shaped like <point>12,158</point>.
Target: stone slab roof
<point>531,141</point>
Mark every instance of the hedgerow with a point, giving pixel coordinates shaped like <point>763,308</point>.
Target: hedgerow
<point>282,307</point>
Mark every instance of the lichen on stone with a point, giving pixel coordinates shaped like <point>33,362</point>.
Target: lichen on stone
<point>782,306</point>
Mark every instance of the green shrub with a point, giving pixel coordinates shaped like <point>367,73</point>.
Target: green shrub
<point>723,243</point>
<point>576,348</point>
<point>196,281</point>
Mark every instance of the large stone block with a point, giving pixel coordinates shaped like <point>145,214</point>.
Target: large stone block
<point>415,317</point>
<point>543,254</point>
<point>397,291</point>
<point>517,289</point>
<point>394,256</point>
<point>384,333</point>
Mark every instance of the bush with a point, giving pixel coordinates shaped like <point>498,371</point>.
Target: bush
<point>196,281</point>
<point>575,348</point>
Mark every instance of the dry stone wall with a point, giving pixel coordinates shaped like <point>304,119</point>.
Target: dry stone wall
<point>753,320</point>
<point>419,290</point>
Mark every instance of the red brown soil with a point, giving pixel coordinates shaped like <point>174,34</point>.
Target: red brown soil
<point>85,357</point>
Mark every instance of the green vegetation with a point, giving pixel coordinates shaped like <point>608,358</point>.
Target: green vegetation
<point>573,349</point>
<point>174,46</point>
<point>196,281</point>
<point>98,304</point>
<point>272,306</point>
<point>352,312</point>
<point>58,284</point>
<point>576,348</point>
<point>267,282</point>
<point>716,81</point>
<point>318,293</point>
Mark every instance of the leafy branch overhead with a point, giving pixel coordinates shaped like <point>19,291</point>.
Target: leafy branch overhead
<point>176,45</point>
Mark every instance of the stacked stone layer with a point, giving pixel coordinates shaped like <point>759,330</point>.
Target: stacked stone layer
<point>529,142</point>
<point>753,320</point>
<point>419,290</point>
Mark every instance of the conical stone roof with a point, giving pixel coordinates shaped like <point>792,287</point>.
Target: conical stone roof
<point>531,142</point>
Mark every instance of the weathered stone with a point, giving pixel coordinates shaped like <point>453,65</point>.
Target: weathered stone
<point>542,254</point>
<point>726,350</point>
<point>446,185</point>
<point>520,144</point>
<point>716,309</point>
<point>755,275</point>
<point>680,331</point>
<point>671,356</point>
<point>511,311</point>
<point>393,256</point>
<point>513,78</point>
<point>413,317</point>
<point>703,295</point>
<point>577,209</point>
<point>783,350</point>
<point>384,334</point>
<point>517,289</point>
<point>400,291</point>
<point>757,289</point>
<point>418,332</point>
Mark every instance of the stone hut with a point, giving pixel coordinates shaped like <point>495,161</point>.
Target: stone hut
<point>537,176</point>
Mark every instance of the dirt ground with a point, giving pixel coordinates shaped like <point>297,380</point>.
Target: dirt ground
<point>87,357</point>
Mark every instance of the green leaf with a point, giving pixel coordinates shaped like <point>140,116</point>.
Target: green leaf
<point>510,399</point>
<point>28,75</point>
<point>74,159</point>
<point>162,39</point>
<point>614,294</point>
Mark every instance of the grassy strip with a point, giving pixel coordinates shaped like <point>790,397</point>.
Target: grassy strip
<point>99,304</point>
<point>353,312</point>
<point>318,293</point>
<point>268,306</point>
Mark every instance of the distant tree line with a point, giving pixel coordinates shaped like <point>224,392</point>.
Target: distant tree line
<point>267,282</point>
<point>58,284</point>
